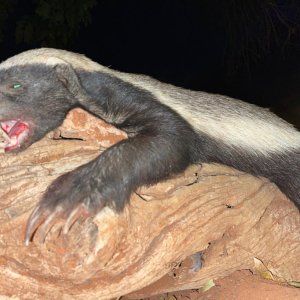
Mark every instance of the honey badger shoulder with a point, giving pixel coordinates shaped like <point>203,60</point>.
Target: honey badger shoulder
<point>168,128</point>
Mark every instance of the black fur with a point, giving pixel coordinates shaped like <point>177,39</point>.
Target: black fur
<point>161,143</point>
<point>141,109</point>
<point>278,168</point>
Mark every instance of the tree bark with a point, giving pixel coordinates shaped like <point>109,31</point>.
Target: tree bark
<point>229,219</point>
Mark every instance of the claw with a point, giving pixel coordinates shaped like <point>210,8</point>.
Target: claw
<point>38,217</point>
<point>35,220</point>
<point>74,216</point>
<point>46,220</point>
<point>48,224</point>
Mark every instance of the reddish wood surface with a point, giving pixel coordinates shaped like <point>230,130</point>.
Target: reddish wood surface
<point>230,216</point>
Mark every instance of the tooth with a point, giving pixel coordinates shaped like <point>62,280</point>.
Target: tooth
<point>4,140</point>
<point>4,136</point>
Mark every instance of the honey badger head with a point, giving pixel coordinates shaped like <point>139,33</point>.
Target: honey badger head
<point>37,89</point>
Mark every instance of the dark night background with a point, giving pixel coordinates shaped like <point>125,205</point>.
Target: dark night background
<point>248,49</point>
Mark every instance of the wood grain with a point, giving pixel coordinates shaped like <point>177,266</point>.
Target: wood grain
<point>229,216</point>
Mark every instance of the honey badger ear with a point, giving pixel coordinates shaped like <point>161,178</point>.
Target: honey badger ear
<point>66,74</point>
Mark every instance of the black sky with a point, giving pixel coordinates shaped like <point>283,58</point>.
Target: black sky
<point>176,41</point>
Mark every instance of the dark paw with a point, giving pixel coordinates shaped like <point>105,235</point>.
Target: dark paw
<point>68,198</point>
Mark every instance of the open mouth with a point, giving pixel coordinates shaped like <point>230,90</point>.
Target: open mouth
<point>14,132</point>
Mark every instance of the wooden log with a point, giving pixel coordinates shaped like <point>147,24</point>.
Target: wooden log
<point>235,220</point>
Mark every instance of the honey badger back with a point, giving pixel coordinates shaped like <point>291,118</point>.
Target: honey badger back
<point>168,127</point>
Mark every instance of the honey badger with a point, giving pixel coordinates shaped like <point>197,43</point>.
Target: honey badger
<point>168,127</point>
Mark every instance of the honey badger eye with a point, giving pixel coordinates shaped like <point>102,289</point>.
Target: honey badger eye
<point>16,86</point>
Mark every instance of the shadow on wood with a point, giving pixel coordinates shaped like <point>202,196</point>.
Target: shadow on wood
<point>234,219</point>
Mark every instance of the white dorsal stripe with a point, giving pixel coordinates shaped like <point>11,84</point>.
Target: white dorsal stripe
<point>235,123</point>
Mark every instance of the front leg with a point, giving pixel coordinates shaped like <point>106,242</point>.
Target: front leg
<point>109,179</point>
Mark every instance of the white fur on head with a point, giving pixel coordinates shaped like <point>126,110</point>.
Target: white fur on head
<point>49,56</point>
<point>53,61</point>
